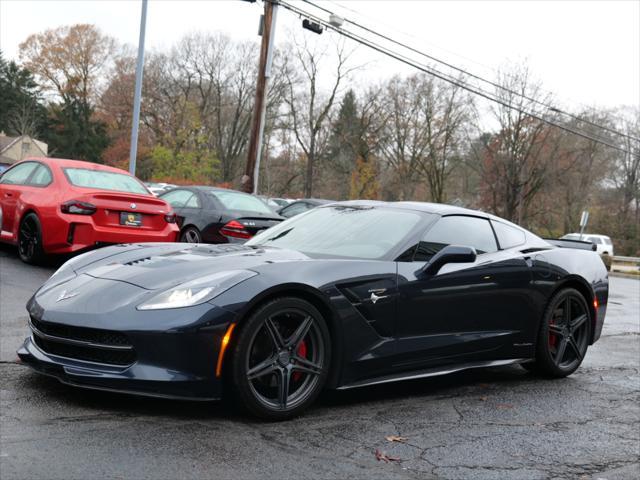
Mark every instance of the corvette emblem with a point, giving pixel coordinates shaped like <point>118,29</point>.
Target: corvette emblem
<point>65,296</point>
<point>134,206</point>
<point>374,297</point>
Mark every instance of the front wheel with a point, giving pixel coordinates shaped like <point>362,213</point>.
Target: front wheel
<point>30,239</point>
<point>281,359</point>
<point>564,335</point>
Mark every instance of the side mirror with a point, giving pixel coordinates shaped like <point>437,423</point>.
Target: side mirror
<point>449,254</point>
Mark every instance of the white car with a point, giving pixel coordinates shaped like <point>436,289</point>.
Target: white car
<point>602,242</point>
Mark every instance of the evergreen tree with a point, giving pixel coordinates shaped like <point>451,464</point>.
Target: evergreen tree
<point>346,143</point>
<point>73,133</point>
<point>21,110</point>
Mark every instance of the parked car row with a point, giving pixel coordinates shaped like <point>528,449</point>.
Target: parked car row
<point>159,188</point>
<point>55,206</point>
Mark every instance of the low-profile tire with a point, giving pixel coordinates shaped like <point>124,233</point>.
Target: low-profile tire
<point>30,240</point>
<point>564,335</point>
<point>191,235</point>
<point>281,358</point>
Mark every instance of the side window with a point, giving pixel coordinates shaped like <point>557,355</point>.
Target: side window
<point>457,230</point>
<point>193,202</point>
<point>508,236</point>
<point>177,198</point>
<point>41,176</point>
<point>19,174</point>
<point>294,209</point>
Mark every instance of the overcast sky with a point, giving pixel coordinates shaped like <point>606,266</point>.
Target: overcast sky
<point>586,52</point>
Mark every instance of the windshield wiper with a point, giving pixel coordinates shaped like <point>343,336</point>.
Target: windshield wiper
<point>280,235</point>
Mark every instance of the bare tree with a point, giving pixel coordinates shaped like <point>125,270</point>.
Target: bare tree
<point>308,107</point>
<point>516,161</point>
<point>424,133</point>
<point>69,60</point>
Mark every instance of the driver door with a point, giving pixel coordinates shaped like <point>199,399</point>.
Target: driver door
<point>466,311</point>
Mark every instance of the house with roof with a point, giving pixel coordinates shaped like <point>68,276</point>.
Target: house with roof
<point>14,149</point>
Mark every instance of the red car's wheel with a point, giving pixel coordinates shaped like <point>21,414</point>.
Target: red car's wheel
<point>30,239</point>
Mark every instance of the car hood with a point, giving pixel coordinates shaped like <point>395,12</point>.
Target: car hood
<point>164,266</point>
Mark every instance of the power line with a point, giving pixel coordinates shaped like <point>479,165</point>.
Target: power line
<point>443,76</point>
<point>580,104</point>
<point>477,77</point>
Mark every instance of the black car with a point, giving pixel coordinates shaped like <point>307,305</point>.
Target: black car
<point>346,295</point>
<point>218,215</point>
<point>301,206</point>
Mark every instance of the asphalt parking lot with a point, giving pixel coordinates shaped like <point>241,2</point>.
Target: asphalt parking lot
<point>494,423</point>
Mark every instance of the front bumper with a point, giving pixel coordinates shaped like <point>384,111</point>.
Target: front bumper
<point>171,363</point>
<point>136,380</point>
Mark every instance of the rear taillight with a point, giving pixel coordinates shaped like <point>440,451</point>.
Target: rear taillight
<point>235,229</point>
<point>170,218</point>
<point>78,208</point>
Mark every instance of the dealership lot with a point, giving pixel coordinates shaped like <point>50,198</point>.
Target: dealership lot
<point>496,423</point>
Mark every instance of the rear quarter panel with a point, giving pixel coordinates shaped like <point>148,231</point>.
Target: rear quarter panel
<point>567,267</point>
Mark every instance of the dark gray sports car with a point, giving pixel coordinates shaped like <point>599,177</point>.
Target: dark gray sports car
<point>344,295</point>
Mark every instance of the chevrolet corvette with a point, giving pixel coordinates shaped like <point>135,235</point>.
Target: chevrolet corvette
<point>345,295</point>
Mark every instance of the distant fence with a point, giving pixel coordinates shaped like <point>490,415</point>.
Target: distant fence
<point>625,264</point>
<point>634,260</point>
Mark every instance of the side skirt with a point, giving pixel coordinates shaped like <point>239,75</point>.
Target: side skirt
<point>434,372</point>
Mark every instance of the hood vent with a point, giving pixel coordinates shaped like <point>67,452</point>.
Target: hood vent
<point>138,261</point>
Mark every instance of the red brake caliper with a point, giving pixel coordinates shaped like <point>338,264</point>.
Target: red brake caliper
<point>302,352</point>
<point>552,337</point>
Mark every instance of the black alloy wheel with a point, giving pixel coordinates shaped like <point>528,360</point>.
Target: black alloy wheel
<point>281,358</point>
<point>191,235</point>
<point>30,239</point>
<point>564,334</point>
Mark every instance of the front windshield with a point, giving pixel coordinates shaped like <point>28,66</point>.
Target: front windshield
<point>344,231</point>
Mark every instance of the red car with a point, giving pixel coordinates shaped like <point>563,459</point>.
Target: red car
<point>53,206</point>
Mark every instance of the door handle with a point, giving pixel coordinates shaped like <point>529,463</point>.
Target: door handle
<point>8,194</point>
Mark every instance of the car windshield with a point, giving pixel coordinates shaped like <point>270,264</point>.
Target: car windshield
<point>240,201</point>
<point>101,180</point>
<point>344,231</point>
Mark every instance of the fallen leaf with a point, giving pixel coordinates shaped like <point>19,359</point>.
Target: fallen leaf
<point>395,438</point>
<point>483,399</point>
<point>504,406</point>
<point>381,456</point>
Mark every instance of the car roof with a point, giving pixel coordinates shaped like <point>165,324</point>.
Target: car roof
<point>317,201</point>
<point>68,163</point>
<point>206,188</point>
<point>427,207</point>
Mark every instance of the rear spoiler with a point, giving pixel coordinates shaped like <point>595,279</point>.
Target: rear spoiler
<point>579,244</point>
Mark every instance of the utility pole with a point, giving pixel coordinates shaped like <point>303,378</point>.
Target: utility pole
<point>133,152</point>
<point>249,182</point>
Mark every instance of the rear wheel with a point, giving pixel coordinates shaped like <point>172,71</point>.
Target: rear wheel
<point>281,359</point>
<point>30,239</point>
<point>191,235</point>
<point>564,335</point>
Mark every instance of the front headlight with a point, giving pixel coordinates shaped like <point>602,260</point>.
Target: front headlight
<point>196,291</point>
